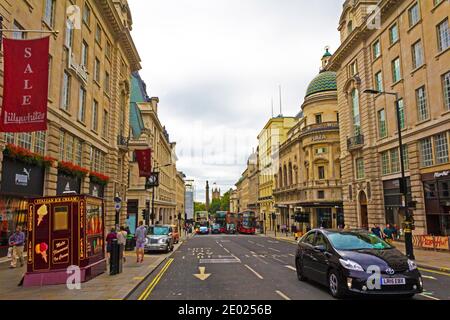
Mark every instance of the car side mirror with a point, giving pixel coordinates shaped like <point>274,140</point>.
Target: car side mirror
<point>320,248</point>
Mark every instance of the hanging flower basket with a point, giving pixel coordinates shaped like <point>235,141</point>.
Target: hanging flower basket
<point>99,178</point>
<point>72,170</point>
<point>17,153</point>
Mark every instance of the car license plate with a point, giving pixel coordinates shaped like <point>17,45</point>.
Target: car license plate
<point>393,281</point>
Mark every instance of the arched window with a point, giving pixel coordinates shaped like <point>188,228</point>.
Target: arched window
<point>285,176</point>
<point>355,112</point>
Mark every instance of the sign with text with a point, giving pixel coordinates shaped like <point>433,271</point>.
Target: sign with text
<point>144,159</point>
<point>25,92</point>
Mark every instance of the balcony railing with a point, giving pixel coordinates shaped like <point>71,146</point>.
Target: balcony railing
<point>356,142</point>
<point>324,126</point>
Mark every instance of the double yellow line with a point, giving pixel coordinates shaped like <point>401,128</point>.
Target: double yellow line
<point>153,284</point>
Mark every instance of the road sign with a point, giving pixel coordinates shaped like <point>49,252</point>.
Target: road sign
<point>118,206</point>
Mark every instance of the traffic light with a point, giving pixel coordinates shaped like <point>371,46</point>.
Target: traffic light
<point>144,214</point>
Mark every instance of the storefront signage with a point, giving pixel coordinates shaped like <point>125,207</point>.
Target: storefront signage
<point>319,138</point>
<point>442,174</point>
<point>22,179</point>
<point>68,184</point>
<point>96,190</point>
<point>25,91</point>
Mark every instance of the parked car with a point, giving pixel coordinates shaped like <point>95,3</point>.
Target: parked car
<point>215,229</point>
<point>159,238</point>
<point>175,234</point>
<point>344,260</point>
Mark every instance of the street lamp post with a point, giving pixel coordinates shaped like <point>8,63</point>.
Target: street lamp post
<point>403,185</point>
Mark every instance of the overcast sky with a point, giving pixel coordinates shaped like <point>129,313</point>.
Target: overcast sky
<point>217,64</point>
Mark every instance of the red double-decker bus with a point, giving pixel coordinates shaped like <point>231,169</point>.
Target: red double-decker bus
<point>246,222</point>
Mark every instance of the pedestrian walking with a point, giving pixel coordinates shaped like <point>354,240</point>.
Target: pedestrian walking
<point>388,233</point>
<point>395,232</point>
<point>17,242</point>
<point>109,239</point>
<point>376,230</point>
<point>122,241</point>
<point>141,234</point>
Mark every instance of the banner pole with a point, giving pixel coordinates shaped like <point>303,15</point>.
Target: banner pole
<point>55,32</point>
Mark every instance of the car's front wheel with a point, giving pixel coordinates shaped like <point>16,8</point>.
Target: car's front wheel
<point>300,273</point>
<point>335,285</point>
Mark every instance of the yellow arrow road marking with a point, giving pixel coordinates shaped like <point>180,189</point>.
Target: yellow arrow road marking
<point>202,276</point>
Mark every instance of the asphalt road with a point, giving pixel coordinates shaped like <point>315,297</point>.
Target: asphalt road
<point>245,268</point>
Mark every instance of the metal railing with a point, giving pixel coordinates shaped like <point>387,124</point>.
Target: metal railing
<point>355,142</point>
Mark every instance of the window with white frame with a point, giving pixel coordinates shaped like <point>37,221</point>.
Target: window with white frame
<point>422,107</point>
<point>94,115</point>
<point>97,160</point>
<point>67,79</point>
<point>396,72</point>
<point>426,151</point>
<point>49,14</point>
<point>82,105</point>
<point>446,89</point>
<point>417,54</point>
<point>401,107</point>
<point>395,162</point>
<point>379,81</point>
<point>356,112</point>
<point>70,148</point>
<point>441,148</point>
<point>360,174</point>
<point>414,14</point>
<point>443,35</point>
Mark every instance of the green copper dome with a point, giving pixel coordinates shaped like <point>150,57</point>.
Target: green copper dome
<point>325,81</point>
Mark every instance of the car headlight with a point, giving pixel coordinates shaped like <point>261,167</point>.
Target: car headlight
<point>351,265</point>
<point>162,241</point>
<point>412,265</point>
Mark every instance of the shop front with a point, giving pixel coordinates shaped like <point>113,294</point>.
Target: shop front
<point>437,202</point>
<point>393,201</point>
<point>20,181</point>
<point>327,215</point>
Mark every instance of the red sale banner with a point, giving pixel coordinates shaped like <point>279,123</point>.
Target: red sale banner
<point>25,91</point>
<point>144,159</point>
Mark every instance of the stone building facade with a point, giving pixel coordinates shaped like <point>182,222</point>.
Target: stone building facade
<point>308,179</point>
<point>148,132</point>
<point>88,101</point>
<point>406,51</point>
<point>271,137</point>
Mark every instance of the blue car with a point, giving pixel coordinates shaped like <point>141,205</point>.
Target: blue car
<point>203,230</point>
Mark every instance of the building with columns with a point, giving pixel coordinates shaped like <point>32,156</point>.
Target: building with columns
<point>308,178</point>
<point>88,106</point>
<point>406,51</point>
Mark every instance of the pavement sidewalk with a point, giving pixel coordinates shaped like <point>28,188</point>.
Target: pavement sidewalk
<point>426,259</point>
<point>103,287</point>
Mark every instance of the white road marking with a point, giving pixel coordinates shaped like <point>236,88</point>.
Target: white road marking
<point>247,256</point>
<point>252,252</point>
<point>251,242</point>
<point>255,273</point>
<point>218,261</point>
<point>260,245</point>
<point>291,255</point>
<point>275,258</point>
<point>429,277</point>
<point>429,297</point>
<point>291,267</point>
<point>281,294</point>
<point>228,251</point>
<point>274,250</point>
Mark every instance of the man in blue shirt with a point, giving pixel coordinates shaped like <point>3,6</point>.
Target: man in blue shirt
<point>376,230</point>
<point>17,242</point>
